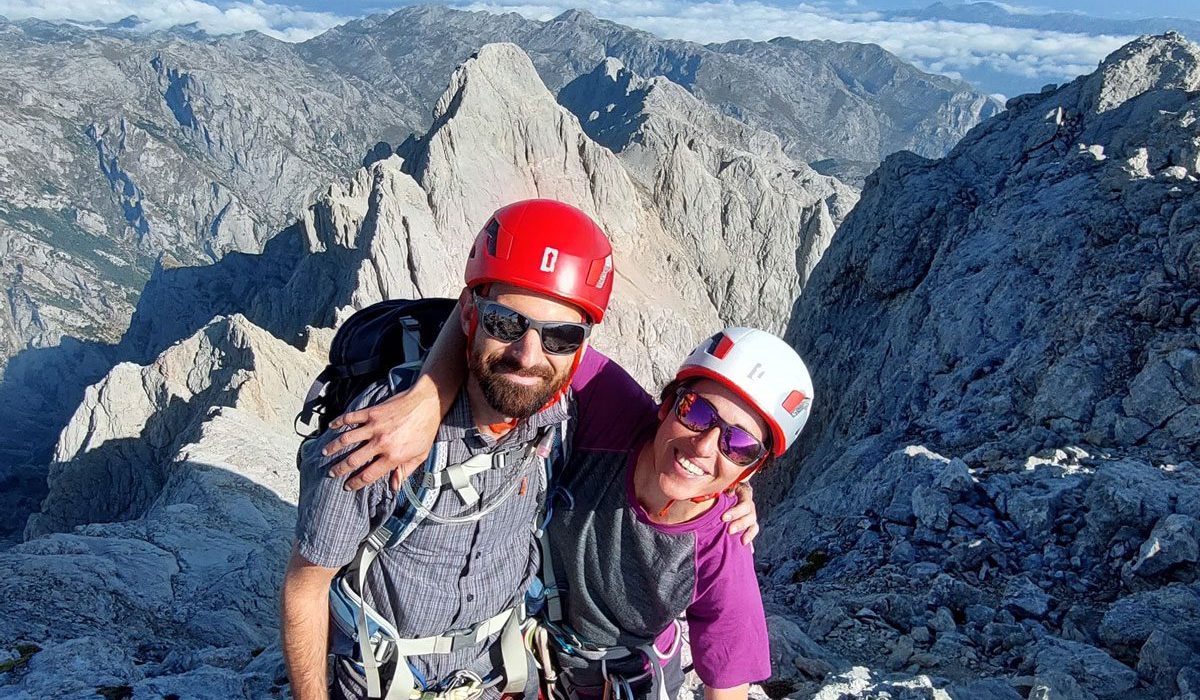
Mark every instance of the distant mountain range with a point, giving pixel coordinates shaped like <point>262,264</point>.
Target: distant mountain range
<point>1001,16</point>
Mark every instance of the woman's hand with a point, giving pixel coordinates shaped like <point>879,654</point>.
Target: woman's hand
<point>393,436</point>
<point>743,516</point>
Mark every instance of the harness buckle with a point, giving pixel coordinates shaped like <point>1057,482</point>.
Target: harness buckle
<point>462,638</point>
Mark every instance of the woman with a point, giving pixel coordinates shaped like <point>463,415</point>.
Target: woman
<point>637,539</point>
<point>641,542</point>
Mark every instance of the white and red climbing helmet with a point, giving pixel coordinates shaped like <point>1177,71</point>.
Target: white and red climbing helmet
<point>548,247</point>
<point>764,371</point>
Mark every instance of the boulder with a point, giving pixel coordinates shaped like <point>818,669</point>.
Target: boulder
<point>1174,541</point>
<point>1095,671</point>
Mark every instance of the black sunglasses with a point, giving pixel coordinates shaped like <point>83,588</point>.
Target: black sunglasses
<point>507,326</point>
<point>697,414</point>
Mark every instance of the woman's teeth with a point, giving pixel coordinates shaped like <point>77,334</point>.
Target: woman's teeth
<point>690,468</point>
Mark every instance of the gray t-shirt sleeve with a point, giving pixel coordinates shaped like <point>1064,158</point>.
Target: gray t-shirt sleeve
<point>331,522</point>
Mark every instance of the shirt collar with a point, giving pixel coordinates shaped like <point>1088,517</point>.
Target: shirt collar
<point>459,424</point>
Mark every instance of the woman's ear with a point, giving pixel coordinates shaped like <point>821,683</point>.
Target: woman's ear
<point>663,409</point>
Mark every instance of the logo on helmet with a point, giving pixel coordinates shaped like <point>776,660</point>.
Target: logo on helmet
<point>549,259</point>
<point>755,372</point>
<point>796,403</point>
<point>604,272</point>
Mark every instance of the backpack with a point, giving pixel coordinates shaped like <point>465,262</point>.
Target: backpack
<point>384,335</point>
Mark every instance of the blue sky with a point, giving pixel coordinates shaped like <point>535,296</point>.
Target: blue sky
<point>1005,58</point>
<point>1114,9</point>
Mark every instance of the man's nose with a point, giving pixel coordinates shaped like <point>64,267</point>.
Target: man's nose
<point>527,349</point>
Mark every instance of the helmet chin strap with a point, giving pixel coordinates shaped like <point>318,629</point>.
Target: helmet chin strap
<point>749,471</point>
<point>562,391</point>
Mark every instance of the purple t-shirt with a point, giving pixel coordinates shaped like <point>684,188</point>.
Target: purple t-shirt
<point>628,578</point>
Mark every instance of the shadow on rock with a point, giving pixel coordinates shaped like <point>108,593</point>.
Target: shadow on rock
<point>180,601</point>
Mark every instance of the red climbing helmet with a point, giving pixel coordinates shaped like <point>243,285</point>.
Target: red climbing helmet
<point>548,247</point>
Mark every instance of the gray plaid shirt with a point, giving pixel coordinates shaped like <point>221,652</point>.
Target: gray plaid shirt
<point>442,577</point>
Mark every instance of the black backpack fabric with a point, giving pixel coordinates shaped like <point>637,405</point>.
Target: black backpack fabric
<point>371,342</point>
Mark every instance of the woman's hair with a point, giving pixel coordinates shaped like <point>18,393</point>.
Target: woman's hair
<point>668,394</point>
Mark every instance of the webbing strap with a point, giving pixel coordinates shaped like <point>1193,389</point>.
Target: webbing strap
<point>654,657</point>
<point>367,554</point>
<point>453,641</point>
<point>512,656</point>
<point>402,684</point>
<point>459,476</point>
<point>550,590</point>
<point>512,653</point>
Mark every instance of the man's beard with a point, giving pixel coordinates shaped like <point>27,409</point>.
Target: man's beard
<point>507,397</point>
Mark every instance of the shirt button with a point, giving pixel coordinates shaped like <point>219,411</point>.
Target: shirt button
<point>470,597</point>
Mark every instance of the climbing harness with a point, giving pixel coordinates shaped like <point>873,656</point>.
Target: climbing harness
<point>379,643</point>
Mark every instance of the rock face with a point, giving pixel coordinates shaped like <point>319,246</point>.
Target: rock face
<point>179,596</point>
<point>1001,481</point>
<point>724,189</point>
<point>923,113</point>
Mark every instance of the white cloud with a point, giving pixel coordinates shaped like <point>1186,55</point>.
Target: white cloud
<point>280,21</point>
<point>939,46</point>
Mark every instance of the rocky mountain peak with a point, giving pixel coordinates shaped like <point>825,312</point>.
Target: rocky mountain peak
<point>496,72</point>
<point>674,144</point>
<point>1165,62</point>
<point>578,16</point>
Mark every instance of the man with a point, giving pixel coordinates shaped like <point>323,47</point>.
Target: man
<point>453,582</point>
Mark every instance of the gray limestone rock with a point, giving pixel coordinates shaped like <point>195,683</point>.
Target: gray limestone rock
<point>915,296</point>
<point>1188,681</point>
<point>987,689</point>
<point>1172,610</point>
<point>723,188</point>
<point>953,593</point>
<point>984,306</point>
<point>794,651</point>
<point>1057,685</point>
<point>942,622</point>
<point>931,507</point>
<point>1095,671</point>
<point>955,479</point>
<point>1174,541</point>
<point>126,149</point>
<point>852,102</point>
<point>1162,658</point>
<point>1022,597</point>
